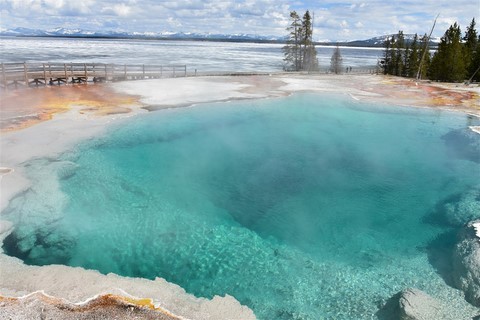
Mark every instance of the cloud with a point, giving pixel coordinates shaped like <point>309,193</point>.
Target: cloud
<point>334,19</point>
<point>185,5</point>
<point>174,22</point>
<point>121,10</point>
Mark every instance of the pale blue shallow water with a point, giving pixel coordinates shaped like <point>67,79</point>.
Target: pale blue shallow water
<point>306,207</point>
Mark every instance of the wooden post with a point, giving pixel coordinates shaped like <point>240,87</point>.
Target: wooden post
<point>143,69</point>
<point>125,71</point>
<point>85,68</point>
<point>65,69</point>
<point>49,74</point>
<point>44,75</point>
<point>106,74</point>
<point>25,73</point>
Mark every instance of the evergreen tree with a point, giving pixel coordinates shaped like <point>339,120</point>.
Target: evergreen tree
<point>448,62</point>
<point>471,46</point>
<point>403,59</point>
<point>300,53</point>
<point>395,57</point>
<point>387,56</point>
<point>413,58</point>
<point>310,62</point>
<point>406,60</point>
<point>475,64</point>
<point>292,49</point>
<point>399,52</point>
<point>336,62</point>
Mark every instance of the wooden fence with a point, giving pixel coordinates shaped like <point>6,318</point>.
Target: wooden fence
<point>358,70</point>
<point>35,74</point>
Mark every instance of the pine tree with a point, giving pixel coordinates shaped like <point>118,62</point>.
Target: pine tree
<point>300,53</point>
<point>292,49</point>
<point>336,62</point>
<point>475,65</point>
<point>395,57</point>
<point>448,62</point>
<point>413,58</point>
<point>471,47</point>
<point>310,62</point>
<point>406,60</point>
<point>387,57</point>
<point>399,52</point>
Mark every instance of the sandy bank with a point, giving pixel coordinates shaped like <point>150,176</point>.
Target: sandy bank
<point>76,113</point>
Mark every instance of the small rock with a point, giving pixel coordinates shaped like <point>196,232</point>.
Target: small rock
<point>417,305</point>
<point>413,304</point>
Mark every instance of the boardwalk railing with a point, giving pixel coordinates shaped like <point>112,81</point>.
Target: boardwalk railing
<point>29,74</point>
<point>358,70</point>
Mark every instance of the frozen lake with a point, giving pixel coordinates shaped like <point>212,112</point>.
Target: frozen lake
<point>205,56</point>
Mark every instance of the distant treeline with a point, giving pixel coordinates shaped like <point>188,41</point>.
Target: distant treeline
<point>457,58</point>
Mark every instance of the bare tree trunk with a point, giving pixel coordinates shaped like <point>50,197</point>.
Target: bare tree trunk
<point>473,75</point>
<point>425,49</point>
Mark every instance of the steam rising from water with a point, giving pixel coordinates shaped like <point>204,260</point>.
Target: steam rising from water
<point>304,207</point>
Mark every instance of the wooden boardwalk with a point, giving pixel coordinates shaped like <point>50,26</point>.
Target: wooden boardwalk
<point>42,74</point>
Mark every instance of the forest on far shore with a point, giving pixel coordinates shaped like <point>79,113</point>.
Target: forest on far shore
<point>456,59</point>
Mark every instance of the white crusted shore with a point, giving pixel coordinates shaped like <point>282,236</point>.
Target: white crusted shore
<point>50,138</point>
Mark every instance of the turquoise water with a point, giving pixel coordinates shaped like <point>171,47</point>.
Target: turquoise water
<point>306,207</point>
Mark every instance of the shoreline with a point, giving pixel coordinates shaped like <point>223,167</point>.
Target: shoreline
<point>123,97</point>
<point>69,123</point>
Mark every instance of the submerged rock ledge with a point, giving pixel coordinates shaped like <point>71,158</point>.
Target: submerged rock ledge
<point>66,292</point>
<point>466,262</point>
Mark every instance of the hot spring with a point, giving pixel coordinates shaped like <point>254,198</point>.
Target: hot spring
<point>305,207</point>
